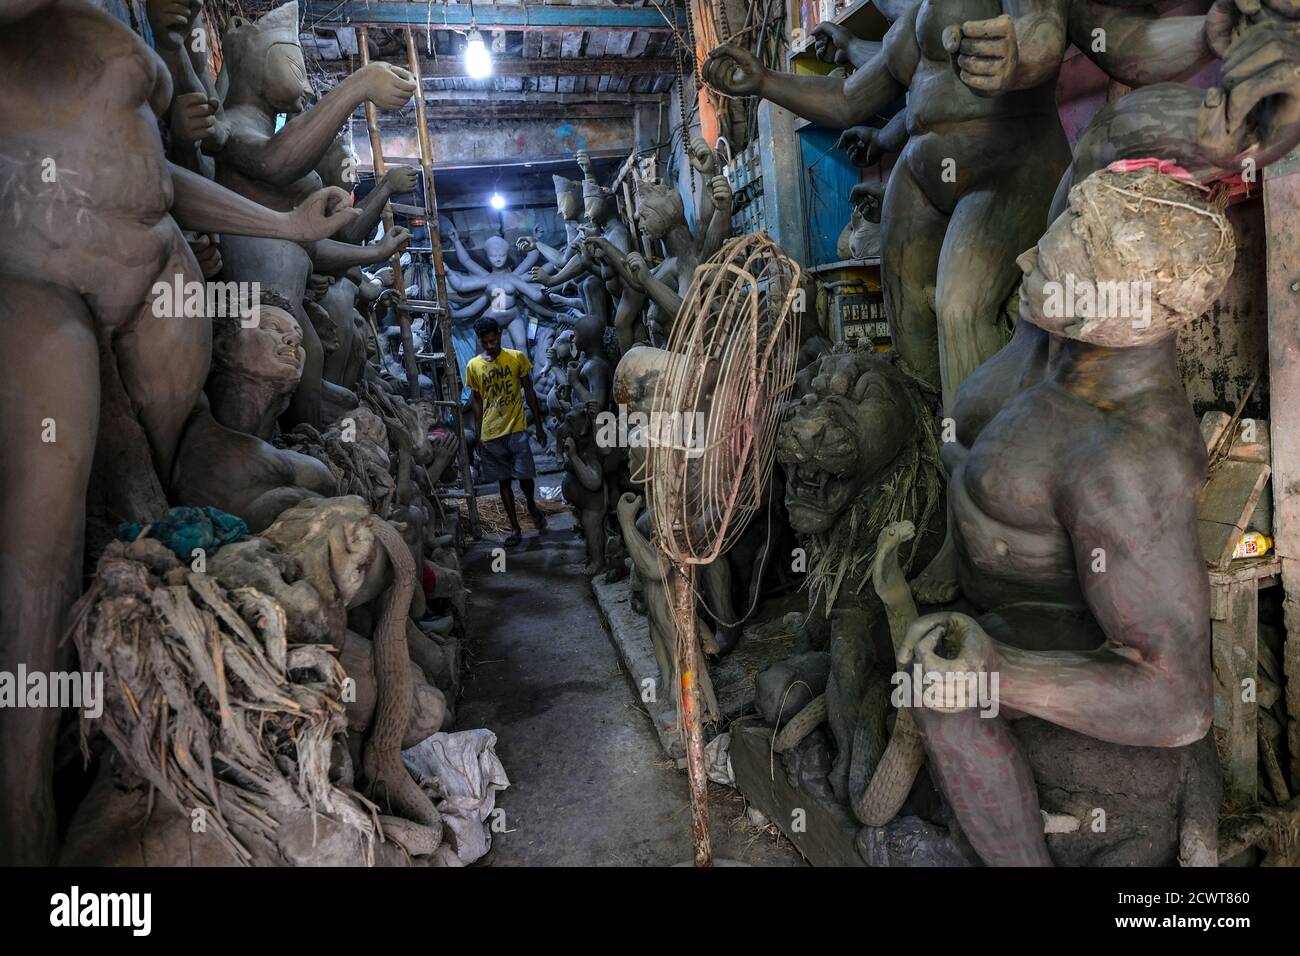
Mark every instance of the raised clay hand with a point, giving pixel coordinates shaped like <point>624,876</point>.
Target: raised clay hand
<point>207,252</point>
<point>194,119</point>
<point>862,143</point>
<point>401,179</point>
<point>526,244</point>
<point>984,53</point>
<point>720,190</point>
<point>1264,65</point>
<point>170,19</point>
<point>733,70</point>
<point>629,505</point>
<point>869,198</point>
<point>703,158</point>
<point>395,240</point>
<point>321,214</point>
<point>584,162</point>
<point>948,643</point>
<point>638,270</point>
<point>388,87</point>
<point>831,42</point>
<point>537,275</point>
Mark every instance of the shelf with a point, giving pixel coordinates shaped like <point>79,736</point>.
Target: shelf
<point>868,263</point>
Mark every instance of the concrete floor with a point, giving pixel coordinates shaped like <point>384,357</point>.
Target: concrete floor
<point>590,785</point>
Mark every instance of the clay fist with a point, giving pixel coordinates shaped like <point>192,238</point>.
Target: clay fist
<point>401,179</point>
<point>394,240</point>
<point>320,215</point>
<point>207,252</point>
<point>584,162</point>
<point>194,118</point>
<point>637,269</point>
<point>948,643</point>
<point>985,53</point>
<point>703,158</point>
<point>525,243</point>
<point>1259,68</point>
<point>734,70</point>
<point>388,87</point>
<point>830,42</point>
<point>720,190</point>
<point>170,19</point>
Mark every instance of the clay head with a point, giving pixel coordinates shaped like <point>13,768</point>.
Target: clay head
<point>568,198</point>
<point>659,207</point>
<point>497,250</point>
<point>850,426</point>
<point>563,346</point>
<point>597,202</point>
<point>270,351</point>
<point>1135,257</point>
<point>265,59</point>
<point>589,335</point>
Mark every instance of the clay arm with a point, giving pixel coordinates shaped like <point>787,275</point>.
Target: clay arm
<point>1141,46</point>
<point>1150,684</point>
<point>372,207</point>
<point>462,254</point>
<point>602,248</point>
<point>642,552</point>
<point>203,206</point>
<point>471,309</point>
<point>297,147</point>
<point>589,477</point>
<point>660,293</point>
<point>828,100</point>
<point>568,301</point>
<point>330,256</point>
<point>577,266</point>
<point>718,228</point>
<point>459,282</point>
<point>527,262</point>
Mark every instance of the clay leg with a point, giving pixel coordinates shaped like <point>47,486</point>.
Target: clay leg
<point>910,249</point>
<point>52,381</point>
<point>164,361</point>
<point>593,532</point>
<point>977,270</point>
<point>716,578</point>
<point>988,783</point>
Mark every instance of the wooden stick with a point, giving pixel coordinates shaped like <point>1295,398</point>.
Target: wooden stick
<point>688,665</point>
<point>450,370</point>
<point>399,280</point>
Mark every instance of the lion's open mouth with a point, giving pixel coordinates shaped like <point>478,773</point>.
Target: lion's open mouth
<point>814,496</point>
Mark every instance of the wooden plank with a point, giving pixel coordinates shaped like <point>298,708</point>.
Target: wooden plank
<point>454,66</point>
<point>1225,506</point>
<point>532,46</point>
<point>596,41</point>
<point>531,17</point>
<point>551,43</point>
<point>618,42</point>
<point>571,46</point>
<point>1235,644</point>
<point>1281,200</point>
<point>827,831</point>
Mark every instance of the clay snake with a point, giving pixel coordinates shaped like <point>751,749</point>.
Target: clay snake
<point>880,774</point>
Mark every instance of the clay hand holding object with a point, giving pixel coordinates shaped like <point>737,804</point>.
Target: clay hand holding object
<point>338,166</point>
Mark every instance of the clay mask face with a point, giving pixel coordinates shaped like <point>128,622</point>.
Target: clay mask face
<point>286,78</point>
<point>271,351</point>
<point>497,251</point>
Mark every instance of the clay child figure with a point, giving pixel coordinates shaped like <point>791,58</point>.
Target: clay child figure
<point>1097,466</point>
<point>495,378</point>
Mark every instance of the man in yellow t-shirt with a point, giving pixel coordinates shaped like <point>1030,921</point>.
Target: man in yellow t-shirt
<point>495,377</point>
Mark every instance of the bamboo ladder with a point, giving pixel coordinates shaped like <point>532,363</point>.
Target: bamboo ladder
<point>451,372</point>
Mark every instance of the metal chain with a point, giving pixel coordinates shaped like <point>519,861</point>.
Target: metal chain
<point>681,92</point>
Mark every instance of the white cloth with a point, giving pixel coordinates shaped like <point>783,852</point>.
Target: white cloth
<point>465,772</point>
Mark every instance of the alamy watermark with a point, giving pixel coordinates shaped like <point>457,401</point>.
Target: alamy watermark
<point>192,299</point>
<point>1089,299</point>
<point>81,689</point>
<point>967,690</point>
<point>624,429</point>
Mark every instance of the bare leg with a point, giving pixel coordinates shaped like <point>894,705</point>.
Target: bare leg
<point>164,361</point>
<point>913,240</point>
<point>53,382</point>
<point>987,782</point>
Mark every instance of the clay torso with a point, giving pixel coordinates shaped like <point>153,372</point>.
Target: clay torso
<point>92,111</point>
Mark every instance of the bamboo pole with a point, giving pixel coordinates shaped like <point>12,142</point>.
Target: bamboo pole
<point>399,280</point>
<point>688,664</point>
<point>450,368</point>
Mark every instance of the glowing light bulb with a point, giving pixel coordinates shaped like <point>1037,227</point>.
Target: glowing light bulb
<point>478,61</point>
<point>497,201</point>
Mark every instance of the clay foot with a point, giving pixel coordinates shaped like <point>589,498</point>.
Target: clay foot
<point>512,539</point>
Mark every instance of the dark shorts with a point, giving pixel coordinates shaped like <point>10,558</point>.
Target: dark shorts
<point>509,456</point>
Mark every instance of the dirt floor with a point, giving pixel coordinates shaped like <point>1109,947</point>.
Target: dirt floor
<point>590,785</point>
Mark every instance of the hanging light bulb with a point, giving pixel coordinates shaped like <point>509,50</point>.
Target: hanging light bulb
<point>478,61</point>
<point>497,201</point>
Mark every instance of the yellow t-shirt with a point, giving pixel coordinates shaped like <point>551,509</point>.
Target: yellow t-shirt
<point>497,385</point>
